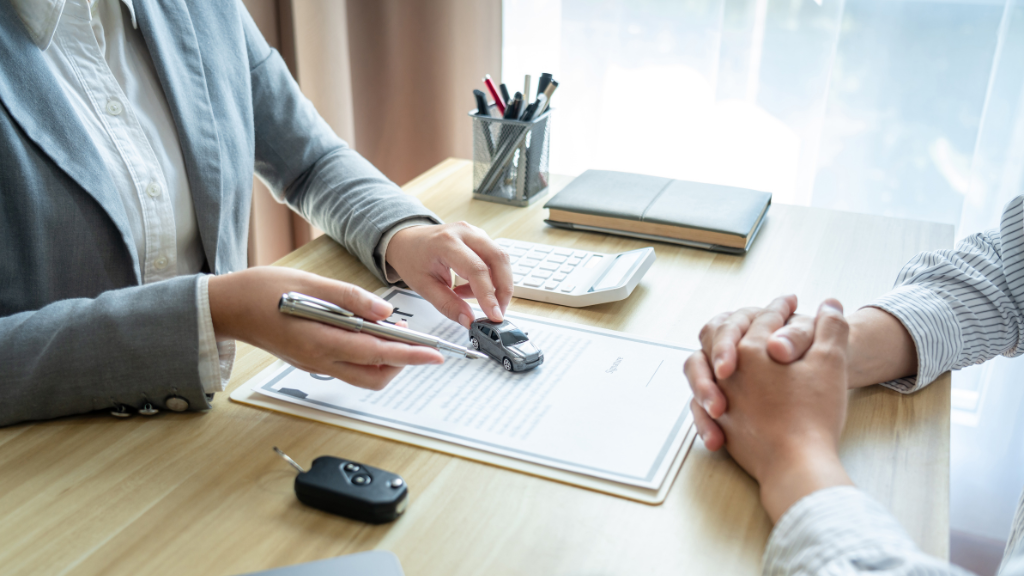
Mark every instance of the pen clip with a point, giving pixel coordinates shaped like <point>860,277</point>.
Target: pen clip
<point>320,303</point>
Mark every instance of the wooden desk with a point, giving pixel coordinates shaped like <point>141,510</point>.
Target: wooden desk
<point>204,494</point>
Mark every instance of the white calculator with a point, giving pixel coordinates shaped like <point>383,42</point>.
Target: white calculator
<point>574,278</point>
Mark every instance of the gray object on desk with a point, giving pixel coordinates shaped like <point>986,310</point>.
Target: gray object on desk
<point>372,563</point>
<point>696,214</point>
<point>510,158</point>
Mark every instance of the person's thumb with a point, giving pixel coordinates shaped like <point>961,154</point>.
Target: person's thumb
<point>831,332</point>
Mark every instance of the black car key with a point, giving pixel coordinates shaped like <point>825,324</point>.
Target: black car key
<point>350,489</point>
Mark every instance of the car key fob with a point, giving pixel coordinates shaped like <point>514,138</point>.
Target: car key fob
<point>351,489</point>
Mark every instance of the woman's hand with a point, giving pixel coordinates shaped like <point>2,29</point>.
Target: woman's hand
<point>425,256</point>
<point>244,307</point>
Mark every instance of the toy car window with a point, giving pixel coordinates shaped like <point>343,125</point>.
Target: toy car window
<point>513,336</point>
<point>494,336</point>
<point>483,330</point>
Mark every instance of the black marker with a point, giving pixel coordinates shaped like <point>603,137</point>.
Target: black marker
<point>482,109</point>
<point>504,94</point>
<point>512,111</point>
<point>542,84</point>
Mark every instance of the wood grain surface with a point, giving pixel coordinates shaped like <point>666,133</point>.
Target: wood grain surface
<point>204,494</point>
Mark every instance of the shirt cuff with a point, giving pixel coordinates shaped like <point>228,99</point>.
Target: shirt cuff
<point>380,253</point>
<point>216,359</point>
<point>933,327</point>
<point>838,530</point>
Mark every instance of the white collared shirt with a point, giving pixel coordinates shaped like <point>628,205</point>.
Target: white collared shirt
<point>100,60</point>
<point>961,307</point>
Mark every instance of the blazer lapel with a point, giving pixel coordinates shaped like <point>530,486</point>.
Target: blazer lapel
<point>171,39</point>
<point>36,102</point>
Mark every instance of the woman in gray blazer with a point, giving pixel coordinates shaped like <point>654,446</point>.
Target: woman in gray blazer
<point>129,133</point>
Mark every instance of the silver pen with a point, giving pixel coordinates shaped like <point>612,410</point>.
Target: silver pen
<point>311,308</point>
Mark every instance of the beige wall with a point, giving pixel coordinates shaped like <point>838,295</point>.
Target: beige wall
<point>394,78</point>
<point>415,64</point>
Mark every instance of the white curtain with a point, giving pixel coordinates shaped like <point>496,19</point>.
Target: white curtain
<point>907,108</point>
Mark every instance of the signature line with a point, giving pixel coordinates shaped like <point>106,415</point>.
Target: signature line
<point>655,374</point>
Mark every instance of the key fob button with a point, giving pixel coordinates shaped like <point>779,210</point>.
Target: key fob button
<point>361,480</point>
<point>396,483</point>
<point>350,467</point>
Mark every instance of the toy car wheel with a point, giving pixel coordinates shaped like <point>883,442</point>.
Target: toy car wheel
<point>475,343</point>
<point>507,364</point>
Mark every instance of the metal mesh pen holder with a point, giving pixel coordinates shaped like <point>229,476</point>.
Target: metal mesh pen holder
<point>510,159</point>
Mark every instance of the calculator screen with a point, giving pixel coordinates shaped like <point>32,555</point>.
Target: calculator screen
<point>618,271</point>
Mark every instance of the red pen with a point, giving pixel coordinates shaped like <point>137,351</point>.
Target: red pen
<point>494,94</point>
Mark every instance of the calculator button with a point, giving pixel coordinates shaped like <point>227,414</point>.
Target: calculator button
<point>551,285</point>
<point>522,269</point>
<point>568,288</point>
<point>566,269</point>
<point>519,251</point>
<point>563,252</point>
<point>549,266</point>
<point>556,259</point>
<point>541,274</point>
<point>560,277</point>
<point>533,282</point>
<point>579,254</point>
<point>530,261</point>
<point>504,242</point>
<point>542,249</point>
<point>516,279</point>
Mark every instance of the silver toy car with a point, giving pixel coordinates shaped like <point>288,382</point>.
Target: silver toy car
<point>506,344</point>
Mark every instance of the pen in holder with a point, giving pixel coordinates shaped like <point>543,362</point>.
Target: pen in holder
<point>510,158</point>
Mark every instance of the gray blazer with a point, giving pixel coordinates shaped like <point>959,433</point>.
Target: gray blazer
<point>78,331</point>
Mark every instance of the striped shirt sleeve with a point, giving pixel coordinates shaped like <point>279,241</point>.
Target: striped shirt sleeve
<point>963,306</point>
<point>841,531</point>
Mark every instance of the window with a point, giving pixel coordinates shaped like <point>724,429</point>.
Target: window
<point>512,336</point>
<point>907,108</point>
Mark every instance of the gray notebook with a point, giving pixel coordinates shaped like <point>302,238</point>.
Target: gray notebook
<point>709,216</point>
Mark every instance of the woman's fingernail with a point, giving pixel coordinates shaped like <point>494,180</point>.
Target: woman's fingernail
<point>718,365</point>
<point>464,320</point>
<point>380,307</point>
<point>707,406</point>
<point>497,314</point>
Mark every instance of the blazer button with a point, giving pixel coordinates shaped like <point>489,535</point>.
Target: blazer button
<point>176,404</point>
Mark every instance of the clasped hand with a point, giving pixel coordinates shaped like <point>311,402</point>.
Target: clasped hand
<point>772,389</point>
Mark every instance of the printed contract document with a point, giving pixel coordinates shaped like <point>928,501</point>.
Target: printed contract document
<point>605,404</point>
